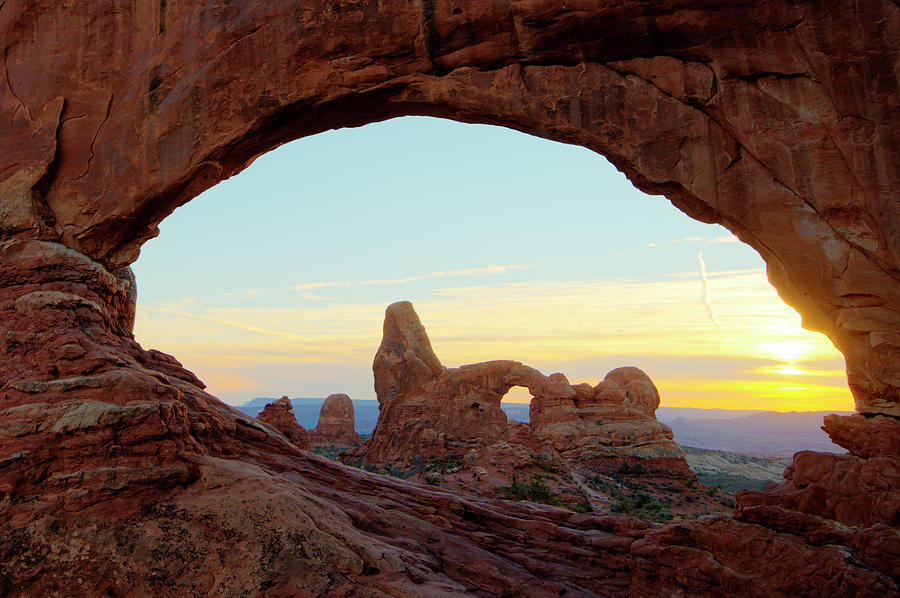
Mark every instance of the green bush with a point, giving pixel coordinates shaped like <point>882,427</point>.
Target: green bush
<point>643,506</point>
<point>539,491</point>
<point>517,490</point>
<point>536,490</point>
<point>582,506</point>
<point>445,464</point>
<point>637,468</point>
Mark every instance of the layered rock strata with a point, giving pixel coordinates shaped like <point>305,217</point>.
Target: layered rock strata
<point>777,120</point>
<point>119,475</point>
<point>280,415</point>
<point>337,423</point>
<point>429,412</point>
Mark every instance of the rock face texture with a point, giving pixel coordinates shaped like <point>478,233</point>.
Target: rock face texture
<point>430,412</point>
<point>336,425</point>
<point>119,475</point>
<point>280,415</point>
<point>779,121</point>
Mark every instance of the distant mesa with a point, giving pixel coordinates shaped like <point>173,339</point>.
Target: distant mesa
<point>337,423</point>
<point>280,415</point>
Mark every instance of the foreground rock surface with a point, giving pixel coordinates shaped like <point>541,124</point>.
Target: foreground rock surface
<point>119,475</point>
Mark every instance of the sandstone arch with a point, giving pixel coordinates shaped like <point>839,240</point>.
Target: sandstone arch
<point>778,120</point>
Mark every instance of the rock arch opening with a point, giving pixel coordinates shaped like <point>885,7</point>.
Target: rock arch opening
<point>579,284</point>
<point>779,123</point>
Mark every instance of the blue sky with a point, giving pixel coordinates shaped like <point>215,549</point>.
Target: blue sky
<point>500,239</point>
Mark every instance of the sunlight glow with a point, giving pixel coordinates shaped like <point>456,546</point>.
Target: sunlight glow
<point>608,321</point>
<point>787,350</point>
<point>788,370</point>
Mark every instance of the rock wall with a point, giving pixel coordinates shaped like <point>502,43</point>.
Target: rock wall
<point>118,474</point>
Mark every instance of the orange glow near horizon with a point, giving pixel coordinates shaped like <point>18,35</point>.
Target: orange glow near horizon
<point>759,359</point>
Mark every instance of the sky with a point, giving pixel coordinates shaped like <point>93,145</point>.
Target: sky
<point>509,246</point>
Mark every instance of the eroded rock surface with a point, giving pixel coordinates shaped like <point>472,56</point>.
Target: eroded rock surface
<point>336,425</point>
<point>778,120</point>
<point>119,475</point>
<point>280,415</point>
<point>430,413</point>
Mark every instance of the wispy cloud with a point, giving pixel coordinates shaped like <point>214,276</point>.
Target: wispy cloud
<point>485,270</point>
<point>709,308</point>
<point>704,240</point>
<point>493,269</point>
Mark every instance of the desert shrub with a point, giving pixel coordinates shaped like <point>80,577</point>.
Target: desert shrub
<point>637,468</point>
<point>643,506</point>
<point>452,462</point>
<point>582,506</point>
<point>536,490</point>
<point>539,491</point>
<point>517,490</point>
<point>599,421</point>
<point>331,452</point>
<point>445,464</point>
<point>395,471</point>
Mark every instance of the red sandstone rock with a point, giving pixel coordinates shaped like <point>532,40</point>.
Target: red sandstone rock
<point>119,475</point>
<point>640,392</point>
<point>428,413</point>
<point>777,120</point>
<point>336,425</point>
<point>844,488</point>
<point>865,436</point>
<point>280,415</point>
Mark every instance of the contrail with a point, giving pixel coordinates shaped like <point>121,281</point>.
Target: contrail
<point>709,308</point>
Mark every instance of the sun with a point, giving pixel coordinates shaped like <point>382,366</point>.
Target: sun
<point>789,351</point>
